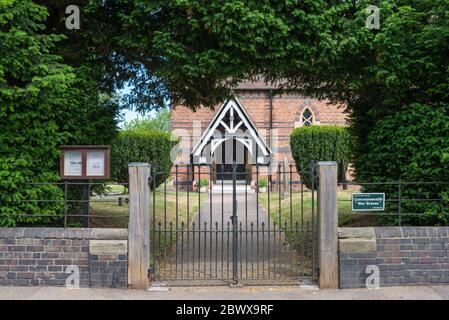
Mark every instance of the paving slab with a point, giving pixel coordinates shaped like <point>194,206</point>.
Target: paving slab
<point>226,293</point>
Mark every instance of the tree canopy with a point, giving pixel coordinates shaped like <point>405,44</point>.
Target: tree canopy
<point>160,121</point>
<point>46,100</point>
<point>192,52</point>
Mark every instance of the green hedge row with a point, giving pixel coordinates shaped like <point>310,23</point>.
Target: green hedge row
<point>411,145</point>
<point>141,146</point>
<point>319,143</point>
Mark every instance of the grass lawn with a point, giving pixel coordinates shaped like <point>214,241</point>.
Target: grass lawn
<point>300,209</point>
<point>108,214</point>
<point>115,216</point>
<point>165,212</point>
<point>295,209</point>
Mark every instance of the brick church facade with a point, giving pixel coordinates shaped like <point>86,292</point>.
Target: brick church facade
<point>253,130</point>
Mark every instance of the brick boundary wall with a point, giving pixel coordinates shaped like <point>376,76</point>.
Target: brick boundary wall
<point>404,255</point>
<point>41,256</point>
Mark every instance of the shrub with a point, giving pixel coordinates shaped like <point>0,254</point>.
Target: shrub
<point>262,183</point>
<point>411,146</point>
<point>141,146</point>
<point>319,143</point>
<point>203,183</point>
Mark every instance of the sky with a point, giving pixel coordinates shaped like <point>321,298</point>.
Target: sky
<point>129,115</point>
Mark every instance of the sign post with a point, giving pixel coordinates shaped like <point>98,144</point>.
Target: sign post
<point>85,163</point>
<point>368,201</point>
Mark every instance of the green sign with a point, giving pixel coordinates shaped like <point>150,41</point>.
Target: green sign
<point>368,201</point>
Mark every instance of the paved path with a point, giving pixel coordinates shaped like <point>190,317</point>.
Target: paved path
<point>226,293</point>
<point>205,253</point>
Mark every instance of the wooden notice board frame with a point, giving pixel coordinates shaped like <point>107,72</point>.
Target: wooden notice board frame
<point>84,150</point>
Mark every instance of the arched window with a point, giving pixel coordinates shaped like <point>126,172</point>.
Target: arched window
<point>307,117</point>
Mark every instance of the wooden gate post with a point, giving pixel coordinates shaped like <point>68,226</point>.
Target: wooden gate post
<point>139,226</point>
<point>327,225</point>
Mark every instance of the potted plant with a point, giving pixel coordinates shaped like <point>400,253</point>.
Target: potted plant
<point>203,183</point>
<point>262,185</point>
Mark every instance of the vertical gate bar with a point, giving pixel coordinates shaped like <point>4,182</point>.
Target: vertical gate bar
<point>177,220</point>
<point>280,194</point>
<point>66,208</point>
<point>263,250</point>
<point>246,225</point>
<point>246,222</point>
<point>302,225</point>
<point>240,251</point>
<point>257,237</point>
<point>165,229</point>
<point>274,250</point>
<point>211,224</point>
<point>165,250</point>
<point>252,249</point>
<point>302,202</point>
<point>189,183</point>
<point>199,217</point>
<point>313,221</point>
<point>216,249</point>
<point>246,199</point>
<point>193,249</point>
<point>307,232</point>
<point>292,242</point>
<point>298,257</point>
<point>284,238</point>
<point>222,219</point>
<point>227,250</point>
<point>158,254</point>
<point>182,248</point>
<point>399,201</point>
<point>269,226</point>
<point>246,249</point>
<point>291,195</point>
<point>205,249</point>
<point>171,244</point>
<point>188,201</point>
<point>165,199</point>
<point>234,223</point>
<point>154,207</point>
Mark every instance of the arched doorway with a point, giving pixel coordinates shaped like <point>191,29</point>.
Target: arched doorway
<point>232,150</point>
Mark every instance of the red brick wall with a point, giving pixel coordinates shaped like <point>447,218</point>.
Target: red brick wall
<point>287,111</point>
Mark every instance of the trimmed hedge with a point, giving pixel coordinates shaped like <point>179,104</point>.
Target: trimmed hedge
<point>141,146</point>
<point>411,145</point>
<point>319,143</point>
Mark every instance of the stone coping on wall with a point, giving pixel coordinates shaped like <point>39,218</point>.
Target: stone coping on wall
<point>65,233</point>
<point>411,232</point>
<point>364,239</point>
<point>357,239</point>
<point>371,233</point>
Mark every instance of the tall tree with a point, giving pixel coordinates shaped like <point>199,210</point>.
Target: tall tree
<point>33,86</point>
<point>44,103</point>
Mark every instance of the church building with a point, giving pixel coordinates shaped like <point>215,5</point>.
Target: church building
<point>251,129</point>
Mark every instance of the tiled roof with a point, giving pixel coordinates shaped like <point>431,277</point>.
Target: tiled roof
<point>258,85</point>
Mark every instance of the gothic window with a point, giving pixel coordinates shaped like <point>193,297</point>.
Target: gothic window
<point>307,118</point>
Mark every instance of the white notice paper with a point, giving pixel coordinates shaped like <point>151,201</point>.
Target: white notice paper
<point>73,163</point>
<point>95,163</point>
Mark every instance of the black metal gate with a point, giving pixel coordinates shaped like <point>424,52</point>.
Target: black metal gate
<point>217,231</point>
